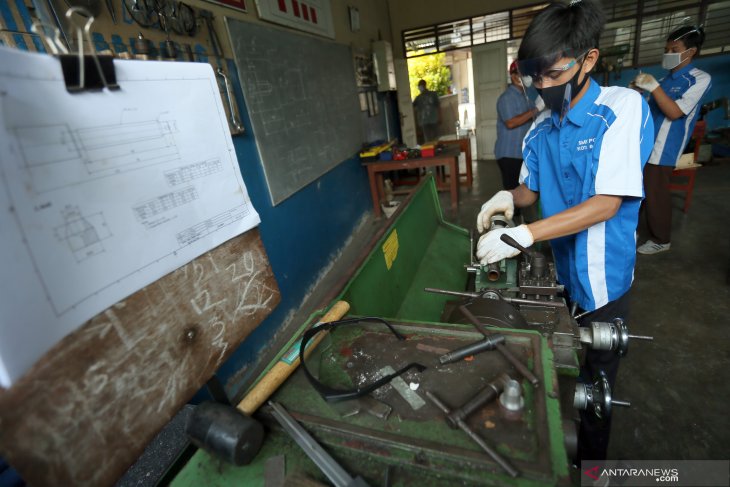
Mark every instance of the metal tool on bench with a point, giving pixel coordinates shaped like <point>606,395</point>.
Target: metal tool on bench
<point>474,436</point>
<point>597,397</point>
<point>485,395</point>
<point>501,348</point>
<point>488,343</point>
<point>334,472</point>
<point>490,294</point>
<point>230,433</point>
<point>609,336</point>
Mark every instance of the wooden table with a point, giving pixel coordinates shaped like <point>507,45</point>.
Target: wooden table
<point>464,144</point>
<point>449,156</point>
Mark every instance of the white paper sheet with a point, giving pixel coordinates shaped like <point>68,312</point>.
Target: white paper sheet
<point>104,192</point>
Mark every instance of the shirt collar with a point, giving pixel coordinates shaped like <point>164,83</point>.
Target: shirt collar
<point>682,71</point>
<point>577,114</point>
<point>518,90</point>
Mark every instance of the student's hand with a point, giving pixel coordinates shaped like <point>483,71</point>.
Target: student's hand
<point>646,82</point>
<point>491,249</point>
<point>502,202</point>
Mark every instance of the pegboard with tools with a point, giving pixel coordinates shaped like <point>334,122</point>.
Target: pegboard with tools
<point>166,30</point>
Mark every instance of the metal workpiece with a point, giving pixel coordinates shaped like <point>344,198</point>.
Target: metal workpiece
<point>486,395</point>
<point>597,397</point>
<point>488,343</point>
<point>511,398</point>
<point>609,336</point>
<point>493,271</point>
<point>502,462</point>
<point>332,470</point>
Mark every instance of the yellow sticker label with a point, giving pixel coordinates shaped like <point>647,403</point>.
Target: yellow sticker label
<point>390,249</point>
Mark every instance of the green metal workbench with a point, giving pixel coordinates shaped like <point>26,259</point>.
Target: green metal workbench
<point>414,446</point>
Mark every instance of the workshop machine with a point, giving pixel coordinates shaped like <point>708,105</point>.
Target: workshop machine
<point>445,372</point>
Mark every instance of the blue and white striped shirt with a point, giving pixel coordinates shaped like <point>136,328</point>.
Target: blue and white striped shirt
<point>599,148</point>
<point>686,87</point>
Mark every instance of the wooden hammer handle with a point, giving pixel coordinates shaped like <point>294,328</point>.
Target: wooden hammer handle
<point>276,376</point>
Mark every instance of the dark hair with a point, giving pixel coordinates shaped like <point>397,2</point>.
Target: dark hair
<point>561,30</point>
<point>690,36</point>
<point>421,82</point>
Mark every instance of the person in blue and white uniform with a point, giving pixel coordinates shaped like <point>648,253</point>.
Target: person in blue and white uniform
<point>675,106</point>
<point>583,157</point>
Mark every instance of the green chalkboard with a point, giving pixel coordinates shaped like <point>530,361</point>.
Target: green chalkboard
<point>301,96</point>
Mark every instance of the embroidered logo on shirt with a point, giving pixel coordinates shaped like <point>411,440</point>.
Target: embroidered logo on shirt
<point>586,144</point>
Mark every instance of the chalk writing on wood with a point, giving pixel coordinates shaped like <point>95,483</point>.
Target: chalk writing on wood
<point>87,409</point>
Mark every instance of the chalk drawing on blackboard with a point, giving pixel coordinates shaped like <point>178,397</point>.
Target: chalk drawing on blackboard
<point>301,97</point>
<point>83,234</point>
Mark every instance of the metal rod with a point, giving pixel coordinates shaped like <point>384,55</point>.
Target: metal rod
<point>334,472</point>
<point>484,396</point>
<point>581,315</point>
<point>642,337</point>
<point>488,343</point>
<point>624,404</point>
<point>452,293</point>
<point>536,302</point>
<point>521,368</point>
<point>477,439</point>
<point>464,294</point>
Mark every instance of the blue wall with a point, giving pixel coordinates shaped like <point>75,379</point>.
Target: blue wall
<point>716,66</point>
<point>301,235</point>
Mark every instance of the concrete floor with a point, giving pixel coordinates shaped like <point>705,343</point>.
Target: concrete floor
<point>677,383</point>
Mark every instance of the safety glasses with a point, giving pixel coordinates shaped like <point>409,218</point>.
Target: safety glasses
<point>531,71</point>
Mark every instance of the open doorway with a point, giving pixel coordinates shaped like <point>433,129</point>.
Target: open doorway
<point>464,111</point>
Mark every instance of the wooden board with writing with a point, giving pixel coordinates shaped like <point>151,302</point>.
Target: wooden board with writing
<point>88,408</point>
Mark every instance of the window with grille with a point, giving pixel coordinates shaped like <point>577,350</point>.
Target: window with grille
<point>635,30</point>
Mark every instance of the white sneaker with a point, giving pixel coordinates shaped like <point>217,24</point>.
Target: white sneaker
<point>649,247</point>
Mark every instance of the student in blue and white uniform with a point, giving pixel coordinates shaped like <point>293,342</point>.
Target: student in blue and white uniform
<point>584,157</point>
<point>675,106</point>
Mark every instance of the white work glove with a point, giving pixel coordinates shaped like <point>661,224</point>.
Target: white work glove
<point>491,249</point>
<point>502,202</point>
<point>539,104</point>
<point>646,82</point>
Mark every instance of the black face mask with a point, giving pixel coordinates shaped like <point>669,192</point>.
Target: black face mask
<point>555,96</point>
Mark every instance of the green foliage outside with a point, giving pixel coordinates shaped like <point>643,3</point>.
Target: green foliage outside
<point>431,69</point>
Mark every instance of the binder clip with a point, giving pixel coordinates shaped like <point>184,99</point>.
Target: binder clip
<point>82,72</point>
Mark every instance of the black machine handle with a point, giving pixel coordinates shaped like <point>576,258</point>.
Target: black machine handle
<point>538,259</point>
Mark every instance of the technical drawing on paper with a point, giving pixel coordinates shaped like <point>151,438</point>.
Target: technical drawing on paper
<point>200,230</point>
<point>190,172</point>
<point>57,156</point>
<point>83,233</point>
<point>151,212</point>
